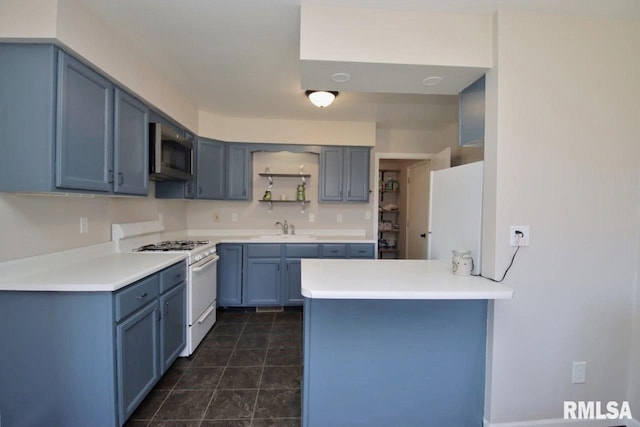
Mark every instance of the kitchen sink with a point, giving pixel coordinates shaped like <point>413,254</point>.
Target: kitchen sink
<point>284,237</point>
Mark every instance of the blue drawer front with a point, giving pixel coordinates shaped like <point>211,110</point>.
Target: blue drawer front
<point>361,250</point>
<point>302,250</point>
<point>264,250</point>
<point>136,296</point>
<point>172,276</point>
<point>334,251</point>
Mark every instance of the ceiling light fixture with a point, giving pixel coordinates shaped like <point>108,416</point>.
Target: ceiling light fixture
<point>321,98</point>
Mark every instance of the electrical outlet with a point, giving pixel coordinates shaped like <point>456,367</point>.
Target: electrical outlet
<point>519,235</point>
<point>234,217</point>
<point>216,217</point>
<point>84,225</point>
<point>339,218</point>
<point>579,373</point>
<point>312,218</point>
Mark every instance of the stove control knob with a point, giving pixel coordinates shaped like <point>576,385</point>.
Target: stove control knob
<point>206,253</point>
<point>198,257</point>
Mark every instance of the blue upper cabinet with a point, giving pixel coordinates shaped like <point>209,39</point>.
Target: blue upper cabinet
<point>131,145</point>
<point>357,174</point>
<point>84,156</point>
<point>472,110</point>
<point>210,169</point>
<point>344,174</point>
<point>331,170</point>
<point>239,169</point>
<point>65,128</point>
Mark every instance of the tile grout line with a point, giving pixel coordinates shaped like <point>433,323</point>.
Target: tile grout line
<point>204,414</point>
<point>255,403</point>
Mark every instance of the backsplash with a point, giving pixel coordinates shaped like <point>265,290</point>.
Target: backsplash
<point>39,224</point>
<point>255,214</point>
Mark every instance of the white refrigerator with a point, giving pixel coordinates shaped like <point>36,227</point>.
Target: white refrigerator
<point>455,212</point>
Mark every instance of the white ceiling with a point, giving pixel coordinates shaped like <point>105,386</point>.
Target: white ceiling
<point>241,57</point>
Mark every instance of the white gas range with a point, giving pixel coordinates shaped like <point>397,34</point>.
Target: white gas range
<point>201,277</point>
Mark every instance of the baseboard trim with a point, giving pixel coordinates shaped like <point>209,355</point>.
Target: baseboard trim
<point>565,423</point>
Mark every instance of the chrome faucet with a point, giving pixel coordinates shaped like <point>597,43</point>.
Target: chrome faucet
<point>285,226</point>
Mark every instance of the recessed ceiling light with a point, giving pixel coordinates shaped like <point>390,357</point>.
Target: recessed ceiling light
<point>340,77</point>
<point>432,81</point>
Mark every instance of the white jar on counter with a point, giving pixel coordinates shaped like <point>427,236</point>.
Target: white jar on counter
<point>462,263</point>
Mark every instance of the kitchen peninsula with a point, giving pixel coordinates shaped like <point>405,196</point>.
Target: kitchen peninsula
<point>394,342</point>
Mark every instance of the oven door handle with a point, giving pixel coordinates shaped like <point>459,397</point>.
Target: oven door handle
<point>206,314</point>
<point>199,267</point>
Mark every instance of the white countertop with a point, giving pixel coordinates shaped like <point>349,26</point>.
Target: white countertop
<point>270,236</point>
<point>393,279</point>
<point>95,268</point>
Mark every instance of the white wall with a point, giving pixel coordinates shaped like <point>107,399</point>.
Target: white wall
<point>385,36</point>
<point>38,224</point>
<point>282,131</point>
<point>28,19</point>
<point>416,141</point>
<point>562,151</point>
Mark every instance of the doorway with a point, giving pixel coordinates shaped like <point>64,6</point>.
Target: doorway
<point>391,202</point>
<point>402,202</point>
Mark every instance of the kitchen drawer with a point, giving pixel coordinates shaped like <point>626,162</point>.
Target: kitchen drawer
<point>301,250</point>
<point>360,250</point>
<point>334,250</point>
<point>136,296</point>
<point>264,250</point>
<point>172,276</point>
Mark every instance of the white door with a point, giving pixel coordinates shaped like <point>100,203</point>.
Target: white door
<point>456,211</point>
<point>417,210</point>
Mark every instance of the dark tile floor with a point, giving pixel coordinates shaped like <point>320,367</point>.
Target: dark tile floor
<point>246,373</point>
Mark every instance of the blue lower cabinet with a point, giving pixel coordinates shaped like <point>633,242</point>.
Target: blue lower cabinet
<point>292,286</point>
<point>230,275</point>
<point>137,358</point>
<point>416,363</point>
<point>173,327</point>
<point>263,281</point>
<point>261,274</point>
<point>98,360</point>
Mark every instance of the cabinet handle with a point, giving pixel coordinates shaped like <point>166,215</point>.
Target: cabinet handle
<point>120,178</point>
<point>362,251</point>
<point>334,251</point>
<point>199,189</point>
<point>139,297</point>
<point>110,176</point>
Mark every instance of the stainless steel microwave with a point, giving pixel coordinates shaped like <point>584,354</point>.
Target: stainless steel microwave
<point>170,154</point>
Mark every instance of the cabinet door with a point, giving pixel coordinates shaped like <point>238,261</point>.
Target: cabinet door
<point>173,327</point>
<point>292,292</point>
<point>84,157</point>
<point>331,174</point>
<point>210,169</point>
<point>472,112</point>
<point>263,281</point>
<point>131,145</point>
<point>357,173</point>
<point>137,358</point>
<point>238,172</point>
<point>229,275</point>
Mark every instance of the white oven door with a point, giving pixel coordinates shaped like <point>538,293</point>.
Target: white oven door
<point>202,287</point>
